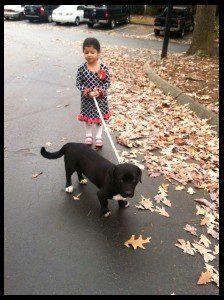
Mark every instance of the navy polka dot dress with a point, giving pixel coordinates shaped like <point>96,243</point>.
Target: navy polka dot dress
<point>89,79</point>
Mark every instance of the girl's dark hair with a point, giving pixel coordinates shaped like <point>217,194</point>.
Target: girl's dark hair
<point>91,42</point>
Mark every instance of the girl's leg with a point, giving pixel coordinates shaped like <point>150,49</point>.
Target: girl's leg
<point>89,134</point>
<point>99,131</point>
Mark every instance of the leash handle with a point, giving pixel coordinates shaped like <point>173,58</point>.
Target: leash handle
<point>107,131</point>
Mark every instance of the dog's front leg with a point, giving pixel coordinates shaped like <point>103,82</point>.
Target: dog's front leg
<point>102,196</point>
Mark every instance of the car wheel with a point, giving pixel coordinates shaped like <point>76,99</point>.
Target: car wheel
<point>58,23</point>
<point>157,32</point>
<point>31,20</point>
<point>127,20</point>
<point>7,18</point>
<point>49,18</point>
<point>90,25</point>
<point>112,24</point>
<point>77,21</point>
<point>21,16</point>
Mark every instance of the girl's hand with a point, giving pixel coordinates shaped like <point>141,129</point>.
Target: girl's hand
<point>94,94</point>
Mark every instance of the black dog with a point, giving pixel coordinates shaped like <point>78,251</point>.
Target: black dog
<point>112,180</point>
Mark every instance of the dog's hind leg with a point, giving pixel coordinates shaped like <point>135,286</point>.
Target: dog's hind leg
<point>69,187</point>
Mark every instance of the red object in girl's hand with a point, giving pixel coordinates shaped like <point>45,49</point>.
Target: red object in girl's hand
<point>102,74</point>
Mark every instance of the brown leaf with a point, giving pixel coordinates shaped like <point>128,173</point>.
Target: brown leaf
<point>186,246</point>
<point>190,191</point>
<point>179,142</point>
<point>162,211</point>
<point>179,188</point>
<point>137,243</point>
<point>37,174</point>
<point>204,240</point>
<point>204,251</point>
<point>206,203</point>
<point>155,175</point>
<point>145,204</point>
<point>190,229</point>
<point>77,197</point>
<point>205,277</point>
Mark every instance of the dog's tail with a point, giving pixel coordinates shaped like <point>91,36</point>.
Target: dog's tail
<point>52,155</point>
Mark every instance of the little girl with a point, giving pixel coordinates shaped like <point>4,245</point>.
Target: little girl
<point>93,80</point>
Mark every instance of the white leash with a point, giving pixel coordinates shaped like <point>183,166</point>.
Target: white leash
<point>105,126</point>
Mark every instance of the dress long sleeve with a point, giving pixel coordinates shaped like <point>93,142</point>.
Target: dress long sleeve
<point>79,80</point>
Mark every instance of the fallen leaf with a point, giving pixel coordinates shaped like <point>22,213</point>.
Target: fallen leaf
<point>158,198</point>
<point>213,233</point>
<point>206,203</point>
<point>204,251</point>
<point>215,273</point>
<point>155,175</point>
<point>204,240</point>
<point>162,211</point>
<point>179,141</point>
<point>77,197</point>
<point>137,243</point>
<point>37,174</point>
<point>179,188</point>
<point>166,202</point>
<point>59,106</point>
<point>205,277</point>
<point>190,191</point>
<point>216,251</point>
<point>186,246</point>
<point>190,229</point>
<point>145,204</point>
<point>200,210</point>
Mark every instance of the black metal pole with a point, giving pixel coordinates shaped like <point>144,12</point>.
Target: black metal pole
<point>167,31</point>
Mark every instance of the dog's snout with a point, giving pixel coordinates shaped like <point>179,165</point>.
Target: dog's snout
<point>128,193</point>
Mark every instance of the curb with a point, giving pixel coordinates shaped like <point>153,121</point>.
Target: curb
<point>182,98</point>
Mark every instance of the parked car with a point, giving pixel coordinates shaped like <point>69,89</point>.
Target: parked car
<point>182,20</point>
<point>39,12</point>
<point>109,15</point>
<point>15,12</point>
<point>68,14</point>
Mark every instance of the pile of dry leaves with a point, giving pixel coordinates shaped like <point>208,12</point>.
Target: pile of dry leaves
<point>197,76</point>
<point>174,142</point>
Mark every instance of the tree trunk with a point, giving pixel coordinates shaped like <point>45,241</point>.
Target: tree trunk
<point>203,35</point>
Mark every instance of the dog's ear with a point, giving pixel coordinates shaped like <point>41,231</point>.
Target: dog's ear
<point>111,173</point>
<point>140,175</point>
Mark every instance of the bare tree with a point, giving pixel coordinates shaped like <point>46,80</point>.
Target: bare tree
<point>203,35</point>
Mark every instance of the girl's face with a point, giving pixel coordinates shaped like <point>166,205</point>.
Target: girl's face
<point>91,54</point>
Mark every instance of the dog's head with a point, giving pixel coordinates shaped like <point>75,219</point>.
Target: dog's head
<point>124,178</point>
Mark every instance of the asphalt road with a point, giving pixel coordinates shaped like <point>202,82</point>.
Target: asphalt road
<point>55,245</point>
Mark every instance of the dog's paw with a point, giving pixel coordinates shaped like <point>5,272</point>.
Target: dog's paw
<point>69,189</point>
<point>107,214</point>
<point>83,181</point>
<point>127,205</point>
